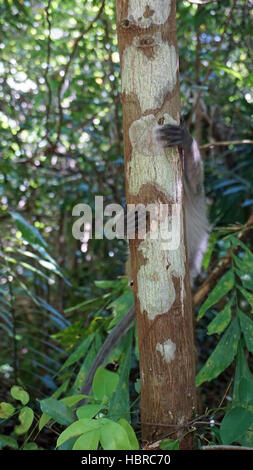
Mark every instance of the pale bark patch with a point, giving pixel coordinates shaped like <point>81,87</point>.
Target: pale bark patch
<point>147,12</point>
<point>156,291</point>
<point>156,76</point>
<point>167,350</point>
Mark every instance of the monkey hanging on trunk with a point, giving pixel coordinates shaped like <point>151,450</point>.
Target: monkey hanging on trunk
<point>197,227</point>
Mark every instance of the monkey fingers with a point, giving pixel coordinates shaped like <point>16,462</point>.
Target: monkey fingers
<point>170,135</point>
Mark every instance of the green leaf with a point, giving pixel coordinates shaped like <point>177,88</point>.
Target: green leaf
<point>20,394</point>
<point>229,70</point>
<point>6,410</point>
<point>246,280</point>
<point>104,384</point>
<point>114,437</point>
<point>73,400</point>
<point>89,304</point>
<point>222,356</point>
<point>88,411</point>
<point>130,433</point>
<point>221,321</point>
<point>119,403</point>
<point>8,441</point>
<point>248,296</point>
<point>68,445</point>
<point>169,444</point>
<point>57,410</point>
<point>241,372</point>
<point>236,422</point>
<point>87,363</point>
<point>224,285</point>
<point>246,391</point>
<point>29,232</point>
<point>247,329</point>
<point>247,439</point>
<point>30,446</point>
<point>107,284</point>
<point>79,352</point>
<point>44,419</point>
<point>25,417</point>
<point>87,441</point>
<point>120,306</point>
<point>79,427</point>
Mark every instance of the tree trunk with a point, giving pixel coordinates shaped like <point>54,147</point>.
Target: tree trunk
<point>150,94</point>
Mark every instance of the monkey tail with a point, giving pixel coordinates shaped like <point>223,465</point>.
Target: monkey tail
<point>111,341</point>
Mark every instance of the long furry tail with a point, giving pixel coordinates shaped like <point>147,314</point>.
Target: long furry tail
<point>111,341</point>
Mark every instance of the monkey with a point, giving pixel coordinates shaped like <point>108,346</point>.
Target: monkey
<point>197,227</point>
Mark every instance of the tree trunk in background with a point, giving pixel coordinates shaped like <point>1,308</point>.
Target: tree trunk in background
<point>150,94</point>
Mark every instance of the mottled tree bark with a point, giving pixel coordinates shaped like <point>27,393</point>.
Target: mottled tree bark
<point>150,95</point>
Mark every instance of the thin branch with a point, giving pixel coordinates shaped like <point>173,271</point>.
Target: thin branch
<point>225,394</point>
<point>221,268</point>
<point>66,68</point>
<point>209,69</point>
<point>49,97</point>
<point>227,142</point>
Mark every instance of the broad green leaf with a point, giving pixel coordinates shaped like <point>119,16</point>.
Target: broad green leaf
<point>222,356</point>
<point>29,232</point>
<point>236,422</point>
<point>114,437</point>
<point>88,411</point>
<point>80,427</point>
<point>25,417</point>
<point>248,255</point>
<point>104,383</point>
<point>246,279</point>
<point>247,439</point>
<point>87,441</point>
<point>130,432</point>
<point>30,446</point>
<point>169,444</point>
<point>44,419</point>
<point>8,441</point>
<point>57,410</point>
<point>20,394</point>
<point>224,285</point>
<point>246,391</point>
<point>69,444</point>
<point>221,321</point>
<point>241,372</point>
<point>248,296</point>
<point>6,410</point>
<point>247,329</point>
<point>73,400</point>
